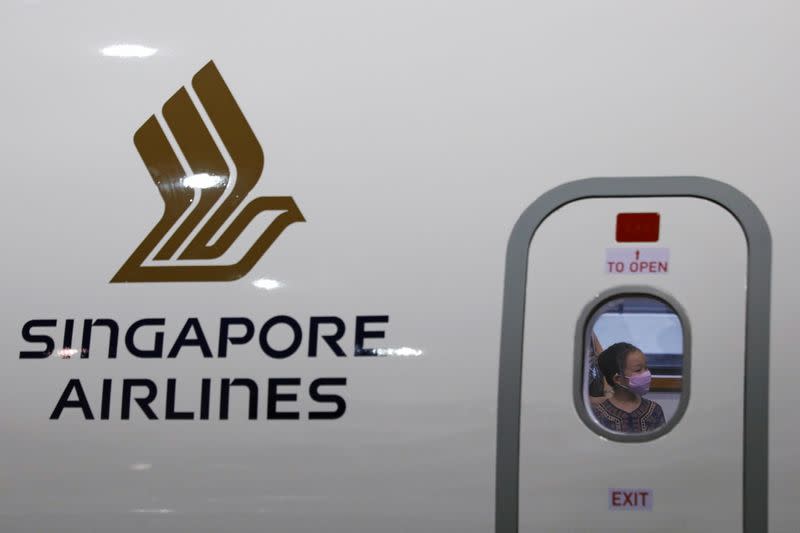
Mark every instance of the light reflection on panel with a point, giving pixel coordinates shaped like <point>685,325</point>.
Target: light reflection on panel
<point>128,51</point>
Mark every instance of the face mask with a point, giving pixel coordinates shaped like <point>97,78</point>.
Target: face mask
<point>639,384</point>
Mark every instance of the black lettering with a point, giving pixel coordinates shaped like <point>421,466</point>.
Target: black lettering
<point>158,343</point>
<point>341,405</point>
<point>205,398</point>
<point>273,398</point>
<point>362,334</point>
<point>331,339</point>
<point>69,326</point>
<point>113,336</point>
<point>144,403</point>
<point>224,325</point>
<point>64,402</point>
<point>199,340</point>
<point>171,413</point>
<point>224,403</point>
<point>27,336</point>
<point>297,333</point>
<point>105,408</point>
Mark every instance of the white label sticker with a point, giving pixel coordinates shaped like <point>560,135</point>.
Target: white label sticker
<point>637,261</point>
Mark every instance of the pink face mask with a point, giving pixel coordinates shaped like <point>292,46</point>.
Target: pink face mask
<point>639,384</point>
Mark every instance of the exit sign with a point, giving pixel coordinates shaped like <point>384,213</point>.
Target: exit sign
<point>630,499</point>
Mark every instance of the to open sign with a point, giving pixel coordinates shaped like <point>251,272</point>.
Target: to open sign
<point>637,261</point>
<point>630,499</point>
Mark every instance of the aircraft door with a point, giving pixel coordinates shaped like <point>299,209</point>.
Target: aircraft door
<point>641,402</point>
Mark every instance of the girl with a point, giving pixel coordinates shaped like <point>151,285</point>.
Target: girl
<point>624,367</point>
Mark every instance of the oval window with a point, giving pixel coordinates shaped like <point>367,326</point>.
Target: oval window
<point>633,366</point>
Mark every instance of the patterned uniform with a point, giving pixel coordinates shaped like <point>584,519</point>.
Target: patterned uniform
<point>647,417</point>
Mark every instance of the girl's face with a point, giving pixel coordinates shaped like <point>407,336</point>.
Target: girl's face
<point>635,363</point>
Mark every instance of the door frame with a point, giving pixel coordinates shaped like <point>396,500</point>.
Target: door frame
<point>757,312</point>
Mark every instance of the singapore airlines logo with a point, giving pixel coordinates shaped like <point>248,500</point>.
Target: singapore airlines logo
<point>211,178</point>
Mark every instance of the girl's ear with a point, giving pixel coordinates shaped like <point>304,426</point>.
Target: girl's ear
<point>618,379</point>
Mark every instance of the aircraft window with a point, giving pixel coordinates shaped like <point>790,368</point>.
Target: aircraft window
<point>633,367</point>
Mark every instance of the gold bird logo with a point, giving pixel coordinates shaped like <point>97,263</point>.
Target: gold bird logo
<point>211,175</point>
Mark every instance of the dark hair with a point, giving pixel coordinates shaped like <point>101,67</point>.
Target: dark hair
<point>613,359</point>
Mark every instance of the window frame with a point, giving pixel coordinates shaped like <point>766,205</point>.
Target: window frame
<point>586,320</point>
